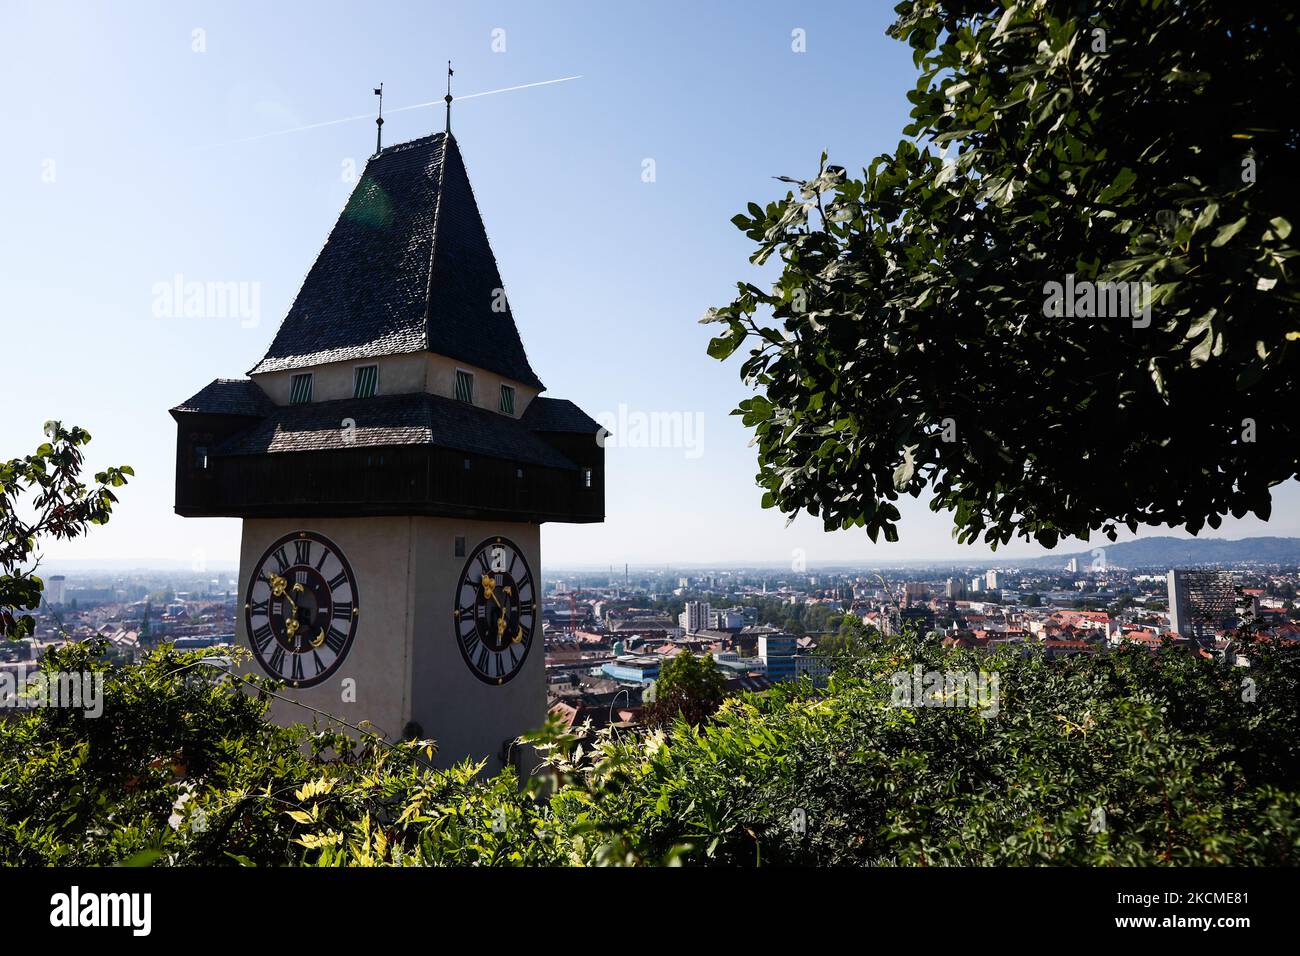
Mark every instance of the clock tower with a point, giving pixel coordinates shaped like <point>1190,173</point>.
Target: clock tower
<point>393,458</point>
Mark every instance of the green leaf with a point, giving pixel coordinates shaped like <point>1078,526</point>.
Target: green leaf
<point>1228,231</point>
<point>722,346</point>
<point>1124,179</point>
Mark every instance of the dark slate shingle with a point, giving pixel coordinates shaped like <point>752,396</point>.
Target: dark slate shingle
<point>558,415</point>
<point>409,419</point>
<point>228,396</point>
<point>407,267</point>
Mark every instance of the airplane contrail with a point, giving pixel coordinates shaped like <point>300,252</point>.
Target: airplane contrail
<point>400,109</point>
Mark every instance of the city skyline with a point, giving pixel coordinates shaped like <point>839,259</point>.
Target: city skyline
<point>1082,563</point>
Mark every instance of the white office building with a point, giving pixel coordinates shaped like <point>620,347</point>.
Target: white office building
<point>695,618</point>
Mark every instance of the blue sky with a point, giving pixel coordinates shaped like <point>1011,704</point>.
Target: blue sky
<point>123,168</point>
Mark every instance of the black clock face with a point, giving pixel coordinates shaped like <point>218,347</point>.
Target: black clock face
<point>301,609</point>
<point>495,608</point>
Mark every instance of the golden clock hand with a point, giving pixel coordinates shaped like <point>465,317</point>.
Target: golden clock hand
<point>280,588</point>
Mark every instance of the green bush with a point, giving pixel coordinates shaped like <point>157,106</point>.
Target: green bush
<point>1183,769</point>
<point>1126,758</point>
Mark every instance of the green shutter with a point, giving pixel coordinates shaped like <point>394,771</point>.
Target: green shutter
<point>367,381</point>
<point>464,386</point>
<point>300,389</point>
<point>507,399</point>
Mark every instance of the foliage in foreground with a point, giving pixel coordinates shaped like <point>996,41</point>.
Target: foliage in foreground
<point>1126,758</point>
<point>911,340</point>
<point>58,505</point>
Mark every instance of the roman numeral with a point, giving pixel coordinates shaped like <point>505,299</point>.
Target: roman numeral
<point>262,637</point>
<point>336,639</point>
<point>297,667</point>
<point>262,607</point>
<point>482,660</point>
<point>281,560</point>
<point>343,609</point>
<point>320,664</point>
<point>302,552</point>
<point>337,580</point>
<point>277,660</point>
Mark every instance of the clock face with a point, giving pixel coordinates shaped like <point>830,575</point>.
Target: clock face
<point>495,608</point>
<point>300,609</point>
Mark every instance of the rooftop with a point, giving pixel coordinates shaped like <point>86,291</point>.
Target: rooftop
<point>407,268</point>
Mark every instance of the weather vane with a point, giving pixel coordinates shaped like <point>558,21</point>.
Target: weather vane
<point>379,123</point>
<point>447,98</point>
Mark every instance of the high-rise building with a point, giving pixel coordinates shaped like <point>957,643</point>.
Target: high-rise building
<point>991,580</point>
<point>777,652</point>
<point>56,589</point>
<point>954,588</point>
<point>1073,566</point>
<point>1202,602</point>
<point>695,617</point>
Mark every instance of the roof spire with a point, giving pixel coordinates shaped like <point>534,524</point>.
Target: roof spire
<point>379,123</point>
<point>448,96</point>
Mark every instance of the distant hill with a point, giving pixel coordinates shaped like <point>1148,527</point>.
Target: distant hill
<point>1166,552</point>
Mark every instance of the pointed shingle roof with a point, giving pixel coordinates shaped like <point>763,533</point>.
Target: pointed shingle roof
<point>407,268</point>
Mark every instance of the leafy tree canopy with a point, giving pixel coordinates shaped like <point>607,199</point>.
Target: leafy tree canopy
<point>61,506</point>
<point>688,688</point>
<point>914,341</point>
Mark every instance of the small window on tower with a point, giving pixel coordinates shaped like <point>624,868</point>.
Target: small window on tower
<point>200,457</point>
<point>586,477</point>
<point>460,546</point>
<point>366,381</point>
<point>300,389</point>
<point>508,399</point>
<point>464,386</point>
